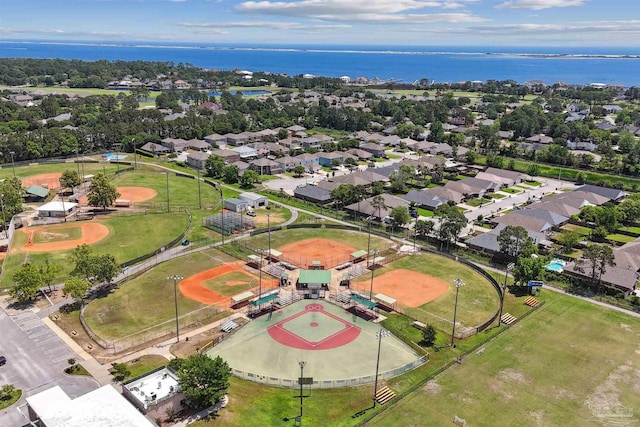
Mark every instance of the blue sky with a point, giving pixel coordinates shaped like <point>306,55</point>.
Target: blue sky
<point>565,23</point>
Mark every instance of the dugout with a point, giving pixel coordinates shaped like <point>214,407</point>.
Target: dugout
<point>241,299</point>
<point>363,307</point>
<point>314,283</point>
<point>358,256</point>
<point>385,302</point>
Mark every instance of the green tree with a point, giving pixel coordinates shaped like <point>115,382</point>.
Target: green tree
<point>598,234</point>
<point>568,240</point>
<point>298,170</point>
<point>6,392</point>
<point>528,268</point>
<point>214,166</point>
<point>82,257</point>
<point>249,178</point>
<point>424,227</point>
<point>594,261</point>
<point>533,170</point>
<point>429,335</point>
<point>70,178</point>
<point>101,192</point>
<point>513,240</point>
<point>230,174</point>
<point>105,268</point>
<point>378,204</point>
<point>400,215</point>
<point>437,173</point>
<point>48,272</point>
<point>580,178</point>
<point>120,371</point>
<point>76,287</point>
<point>11,193</point>
<point>204,380</point>
<point>27,281</point>
<point>451,223</point>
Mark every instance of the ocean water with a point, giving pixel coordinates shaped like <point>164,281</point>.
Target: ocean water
<point>442,64</point>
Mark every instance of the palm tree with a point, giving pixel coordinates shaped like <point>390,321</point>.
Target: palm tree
<point>377,203</point>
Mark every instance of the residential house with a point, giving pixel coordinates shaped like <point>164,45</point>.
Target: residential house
<point>620,278</point>
<point>360,154</point>
<point>488,242</point>
<point>181,85</point>
<point>373,148</point>
<point>540,138</point>
<point>612,194</point>
<point>307,159</point>
<point>313,194</point>
<point>327,159</point>
<point>245,152</point>
<point>582,145</point>
<point>508,177</point>
<point>527,222</point>
<point>366,206</point>
<point>198,145</point>
<point>265,166</point>
<point>424,200</point>
<point>612,109</point>
<point>229,156</point>
<point>556,220</point>
<point>242,166</point>
<point>176,145</point>
<point>155,148</point>
<point>197,159</point>
<point>236,139</point>
<point>287,163</point>
<point>216,140</point>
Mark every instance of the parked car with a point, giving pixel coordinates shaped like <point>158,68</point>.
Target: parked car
<point>251,213</point>
<point>3,360</point>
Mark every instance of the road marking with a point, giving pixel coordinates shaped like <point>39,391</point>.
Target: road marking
<point>41,343</point>
<point>44,331</point>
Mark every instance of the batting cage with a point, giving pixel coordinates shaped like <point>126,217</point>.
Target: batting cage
<point>228,223</point>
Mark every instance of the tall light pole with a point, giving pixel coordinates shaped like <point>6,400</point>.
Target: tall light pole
<point>135,152</point>
<point>175,279</point>
<point>369,240</point>
<point>221,213</point>
<point>382,333</point>
<point>78,159</point>
<point>459,283</point>
<point>302,365</point>
<point>199,193</point>
<point>13,162</point>
<point>269,234</point>
<point>510,267</point>
<point>4,219</point>
<point>168,206</point>
<point>375,254</point>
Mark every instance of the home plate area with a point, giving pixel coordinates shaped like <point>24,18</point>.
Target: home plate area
<point>314,329</point>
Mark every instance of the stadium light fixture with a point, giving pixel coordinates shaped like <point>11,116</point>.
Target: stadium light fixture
<point>382,333</point>
<point>175,279</point>
<point>510,267</point>
<point>459,283</point>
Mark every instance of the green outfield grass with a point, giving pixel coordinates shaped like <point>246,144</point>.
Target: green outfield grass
<point>220,284</point>
<point>477,300</point>
<point>60,234</point>
<point>39,168</point>
<point>566,365</point>
<point>130,236</point>
<point>147,300</point>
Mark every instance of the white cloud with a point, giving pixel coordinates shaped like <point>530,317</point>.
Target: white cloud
<point>591,27</point>
<point>539,4</point>
<point>362,11</point>
<point>263,24</point>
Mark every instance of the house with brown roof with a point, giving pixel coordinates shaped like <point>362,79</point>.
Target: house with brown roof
<point>373,148</point>
<point>265,166</point>
<point>197,159</point>
<point>366,206</point>
<point>229,156</point>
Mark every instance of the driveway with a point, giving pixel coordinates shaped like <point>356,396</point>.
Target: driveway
<point>36,358</point>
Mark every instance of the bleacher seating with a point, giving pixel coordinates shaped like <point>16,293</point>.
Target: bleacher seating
<point>384,395</point>
<point>343,298</point>
<point>508,318</point>
<point>532,301</point>
<point>228,326</point>
<point>288,266</point>
<point>273,270</point>
<point>343,266</point>
<point>357,270</point>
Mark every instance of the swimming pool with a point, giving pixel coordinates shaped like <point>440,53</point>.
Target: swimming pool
<point>556,265</point>
<point>111,156</point>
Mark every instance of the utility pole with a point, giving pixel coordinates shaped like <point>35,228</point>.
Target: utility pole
<point>13,162</point>
<point>459,283</point>
<point>382,333</point>
<point>510,267</point>
<point>302,365</point>
<point>375,254</point>
<point>269,234</point>
<point>175,279</point>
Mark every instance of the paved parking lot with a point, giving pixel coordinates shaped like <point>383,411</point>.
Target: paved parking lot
<point>36,358</point>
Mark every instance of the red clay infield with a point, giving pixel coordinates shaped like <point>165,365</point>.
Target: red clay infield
<point>192,287</point>
<point>410,288</point>
<point>51,180</point>
<point>137,194</point>
<point>329,252</point>
<point>342,337</point>
<point>92,232</point>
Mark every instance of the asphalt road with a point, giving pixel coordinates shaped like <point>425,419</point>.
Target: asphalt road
<point>36,358</point>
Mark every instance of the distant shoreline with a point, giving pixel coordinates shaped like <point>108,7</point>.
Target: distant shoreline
<point>346,50</point>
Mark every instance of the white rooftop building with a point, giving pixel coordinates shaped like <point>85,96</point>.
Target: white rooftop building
<point>154,393</point>
<point>104,407</point>
<point>57,209</point>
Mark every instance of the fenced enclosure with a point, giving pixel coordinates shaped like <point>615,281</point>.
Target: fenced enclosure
<point>229,223</point>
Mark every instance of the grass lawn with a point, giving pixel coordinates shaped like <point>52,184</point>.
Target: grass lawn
<point>130,236</point>
<point>622,238</point>
<point>513,382</point>
<point>634,230</point>
<point>511,190</point>
<point>61,234</point>
<point>15,396</point>
<point>182,191</point>
<point>36,169</point>
<point>147,300</point>
<point>77,369</point>
<point>144,364</point>
<point>496,196</point>
<point>425,212</point>
<point>533,183</point>
<point>240,282</point>
<point>477,202</point>
<point>477,300</point>
<point>583,231</point>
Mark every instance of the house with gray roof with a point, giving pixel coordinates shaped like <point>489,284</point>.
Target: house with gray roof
<point>527,222</point>
<point>366,208</point>
<point>197,159</point>
<point>155,148</point>
<point>620,278</point>
<point>555,219</point>
<point>488,242</point>
<point>360,154</point>
<point>313,194</point>
<point>424,200</point>
<point>265,166</point>
<point>376,149</point>
<point>612,194</point>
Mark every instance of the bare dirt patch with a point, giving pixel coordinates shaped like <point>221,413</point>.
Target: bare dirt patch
<point>47,180</point>
<point>92,232</point>
<point>410,288</point>
<point>432,388</point>
<point>512,376</point>
<point>329,252</point>
<point>275,218</point>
